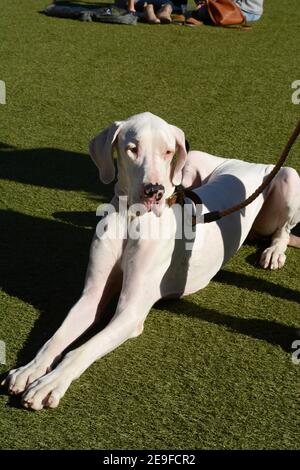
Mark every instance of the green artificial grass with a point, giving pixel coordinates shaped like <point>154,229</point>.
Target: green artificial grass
<point>214,370</point>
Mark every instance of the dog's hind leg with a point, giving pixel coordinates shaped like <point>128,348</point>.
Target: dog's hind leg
<point>280,214</point>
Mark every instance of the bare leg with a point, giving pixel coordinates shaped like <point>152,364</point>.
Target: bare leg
<point>131,5</point>
<point>102,272</point>
<point>280,213</point>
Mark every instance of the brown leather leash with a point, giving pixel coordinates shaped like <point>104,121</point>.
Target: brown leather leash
<point>180,193</point>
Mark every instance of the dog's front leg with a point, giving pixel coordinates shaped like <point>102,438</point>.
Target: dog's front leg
<point>102,279</point>
<point>141,289</point>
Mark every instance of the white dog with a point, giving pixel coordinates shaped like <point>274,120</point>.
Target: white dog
<point>152,159</point>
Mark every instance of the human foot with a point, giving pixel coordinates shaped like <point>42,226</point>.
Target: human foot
<point>149,15</point>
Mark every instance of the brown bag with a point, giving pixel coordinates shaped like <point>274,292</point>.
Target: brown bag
<point>225,13</point>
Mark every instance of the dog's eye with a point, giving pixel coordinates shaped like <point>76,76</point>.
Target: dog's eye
<point>169,153</point>
<point>132,148</point>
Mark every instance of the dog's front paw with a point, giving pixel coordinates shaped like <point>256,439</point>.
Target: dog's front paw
<point>46,392</point>
<point>19,379</point>
<point>273,258</point>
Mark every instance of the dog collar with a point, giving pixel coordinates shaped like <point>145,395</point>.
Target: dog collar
<point>181,193</point>
<point>178,197</point>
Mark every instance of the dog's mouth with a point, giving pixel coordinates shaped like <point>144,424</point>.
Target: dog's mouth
<point>152,203</point>
<point>143,206</point>
<point>155,207</point>
<point>146,206</point>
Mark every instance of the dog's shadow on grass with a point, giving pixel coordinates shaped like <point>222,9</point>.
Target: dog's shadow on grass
<point>274,333</point>
<point>41,268</point>
<point>252,283</point>
<point>43,264</point>
<point>52,168</point>
<point>43,261</point>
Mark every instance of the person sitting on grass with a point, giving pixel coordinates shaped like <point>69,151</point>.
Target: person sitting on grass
<point>153,11</point>
<point>251,9</point>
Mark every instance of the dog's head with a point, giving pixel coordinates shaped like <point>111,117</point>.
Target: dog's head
<point>151,156</point>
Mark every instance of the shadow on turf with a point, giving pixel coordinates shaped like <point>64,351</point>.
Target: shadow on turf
<point>52,168</point>
<point>252,283</point>
<point>79,218</point>
<point>274,333</point>
<point>43,263</point>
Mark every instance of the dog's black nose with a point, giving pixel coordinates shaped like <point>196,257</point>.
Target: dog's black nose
<point>154,190</point>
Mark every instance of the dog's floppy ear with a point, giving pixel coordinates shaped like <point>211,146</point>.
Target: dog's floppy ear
<point>181,155</point>
<point>101,151</point>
